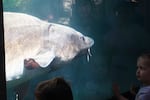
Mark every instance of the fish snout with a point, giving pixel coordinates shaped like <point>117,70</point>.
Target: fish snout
<point>89,41</point>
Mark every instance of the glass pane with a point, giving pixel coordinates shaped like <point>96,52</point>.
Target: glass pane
<point>90,43</point>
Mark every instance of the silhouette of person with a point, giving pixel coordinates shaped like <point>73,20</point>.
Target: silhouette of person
<point>54,89</point>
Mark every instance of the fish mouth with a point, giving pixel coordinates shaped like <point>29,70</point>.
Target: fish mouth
<point>86,52</point>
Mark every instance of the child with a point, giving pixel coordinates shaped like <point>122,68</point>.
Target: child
<point>143,75</point>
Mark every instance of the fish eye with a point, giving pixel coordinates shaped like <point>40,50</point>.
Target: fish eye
<point>82,38</point>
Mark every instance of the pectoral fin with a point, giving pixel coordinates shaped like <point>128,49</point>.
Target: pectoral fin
<point>44,57</point>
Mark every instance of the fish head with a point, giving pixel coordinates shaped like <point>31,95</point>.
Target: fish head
<point>83,44</point>
<point>69,42</point>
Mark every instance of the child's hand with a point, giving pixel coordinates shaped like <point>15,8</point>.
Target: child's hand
<point>116,89</point>
<point>30,64</point>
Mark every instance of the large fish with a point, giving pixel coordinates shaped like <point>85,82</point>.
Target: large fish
<point>48,44</point>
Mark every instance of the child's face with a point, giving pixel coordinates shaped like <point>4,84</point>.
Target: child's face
<point>143,70</point>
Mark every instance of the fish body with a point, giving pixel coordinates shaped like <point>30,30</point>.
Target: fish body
<point>49,44</point>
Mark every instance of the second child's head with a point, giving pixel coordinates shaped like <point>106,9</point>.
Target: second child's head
<point>54,89</point>
<point>143,70</point>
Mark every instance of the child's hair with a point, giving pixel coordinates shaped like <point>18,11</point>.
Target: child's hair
<point>54,89</point>
<point>145,55</point>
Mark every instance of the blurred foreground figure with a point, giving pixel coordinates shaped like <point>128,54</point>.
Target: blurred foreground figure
<point>54,89</point>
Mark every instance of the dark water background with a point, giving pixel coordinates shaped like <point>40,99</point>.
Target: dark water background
<point>120,29</point>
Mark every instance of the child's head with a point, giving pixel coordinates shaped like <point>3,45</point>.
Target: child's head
<point>143,70</point>
<point>54,89</point>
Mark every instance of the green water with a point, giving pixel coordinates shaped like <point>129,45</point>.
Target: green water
<point>120,30</point>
